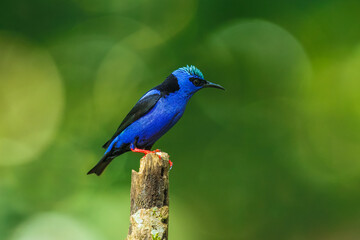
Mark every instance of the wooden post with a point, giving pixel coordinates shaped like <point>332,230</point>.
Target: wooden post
<point>149,215</point>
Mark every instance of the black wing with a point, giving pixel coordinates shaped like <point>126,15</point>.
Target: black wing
<point>143,106</point>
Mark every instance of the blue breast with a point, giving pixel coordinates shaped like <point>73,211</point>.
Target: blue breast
<point>149,128</point>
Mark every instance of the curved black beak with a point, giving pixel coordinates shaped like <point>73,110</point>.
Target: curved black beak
<point>213,85</point>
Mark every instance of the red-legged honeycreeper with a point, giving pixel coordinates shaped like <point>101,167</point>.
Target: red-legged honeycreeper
<point>154,114</point>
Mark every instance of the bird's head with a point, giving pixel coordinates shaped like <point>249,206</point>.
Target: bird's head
<point>191,80</point>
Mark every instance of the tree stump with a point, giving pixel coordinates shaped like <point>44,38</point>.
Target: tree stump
<point>149,215</point>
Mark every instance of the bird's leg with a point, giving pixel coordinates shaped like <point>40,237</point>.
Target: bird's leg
<point>141,151</point>
<point>144,151</point>
<point>135,149</point>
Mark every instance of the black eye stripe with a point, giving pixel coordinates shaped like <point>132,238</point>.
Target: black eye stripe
<point>197,81</point>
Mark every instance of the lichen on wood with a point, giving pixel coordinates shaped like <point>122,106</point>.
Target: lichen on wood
<point>149,214</point>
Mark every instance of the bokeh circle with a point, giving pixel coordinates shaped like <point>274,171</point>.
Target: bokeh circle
<point>31,100</point>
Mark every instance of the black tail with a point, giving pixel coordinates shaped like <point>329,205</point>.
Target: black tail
<point>106,145</point>
<point>102,164</point>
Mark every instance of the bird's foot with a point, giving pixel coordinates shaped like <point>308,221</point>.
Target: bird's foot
<point>171,164</point>
<point>156,151</point>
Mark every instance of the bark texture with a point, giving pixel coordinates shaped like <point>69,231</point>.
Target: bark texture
<point>149,215</point>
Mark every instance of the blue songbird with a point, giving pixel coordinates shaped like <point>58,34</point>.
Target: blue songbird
<point>154,114</point>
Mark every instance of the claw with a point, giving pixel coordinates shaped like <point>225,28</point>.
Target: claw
<point>156,151</point>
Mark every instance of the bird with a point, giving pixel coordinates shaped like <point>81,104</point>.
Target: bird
<point>153,115</point>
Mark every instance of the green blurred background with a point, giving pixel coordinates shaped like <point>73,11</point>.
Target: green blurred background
<point>276,156</point>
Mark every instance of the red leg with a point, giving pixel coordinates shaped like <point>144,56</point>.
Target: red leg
<point>141,150</point>
<point>135,149</point>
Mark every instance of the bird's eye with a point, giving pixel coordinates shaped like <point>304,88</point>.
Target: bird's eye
<point>197,82</point>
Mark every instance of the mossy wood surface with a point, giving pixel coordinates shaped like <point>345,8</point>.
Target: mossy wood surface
<point>149,214</point>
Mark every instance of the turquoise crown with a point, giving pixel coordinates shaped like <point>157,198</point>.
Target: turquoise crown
<point>192,70</point>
